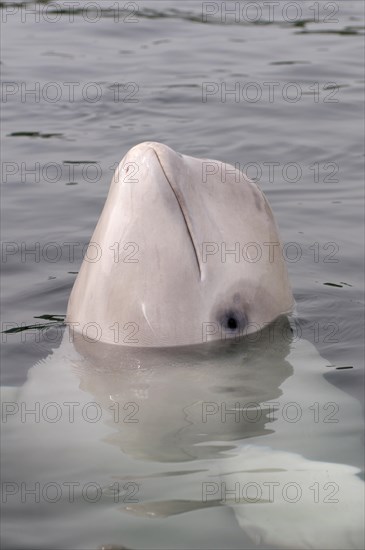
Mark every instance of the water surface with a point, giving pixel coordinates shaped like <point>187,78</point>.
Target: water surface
<point>143,76</point>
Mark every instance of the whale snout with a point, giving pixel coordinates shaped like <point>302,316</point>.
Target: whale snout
<point>171,235</point>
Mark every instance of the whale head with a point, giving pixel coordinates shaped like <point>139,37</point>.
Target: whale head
<point>186,251</point>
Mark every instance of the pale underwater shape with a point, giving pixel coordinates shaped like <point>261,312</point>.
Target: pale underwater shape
<point>170,388</point>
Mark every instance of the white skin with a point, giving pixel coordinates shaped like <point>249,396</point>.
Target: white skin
<point>163,274</point>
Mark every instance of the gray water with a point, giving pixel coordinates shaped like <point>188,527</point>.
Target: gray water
<point>162,71</point>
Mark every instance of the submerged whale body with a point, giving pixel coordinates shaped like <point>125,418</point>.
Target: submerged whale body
<point>180,431</point>
<point>186,251</point>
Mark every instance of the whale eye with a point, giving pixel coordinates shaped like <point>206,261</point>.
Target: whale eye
<point>233,320</point>
<point>232,323</point>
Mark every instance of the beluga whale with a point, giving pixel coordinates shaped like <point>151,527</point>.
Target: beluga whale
<point>133,417</point>
<point>186,251</point>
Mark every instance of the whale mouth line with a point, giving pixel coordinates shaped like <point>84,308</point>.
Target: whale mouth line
<point>182,207</point>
